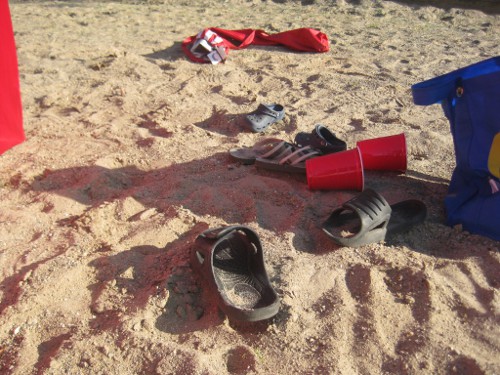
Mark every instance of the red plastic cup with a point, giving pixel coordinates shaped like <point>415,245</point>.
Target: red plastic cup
<point>337,171</point>
<point>384,153</point>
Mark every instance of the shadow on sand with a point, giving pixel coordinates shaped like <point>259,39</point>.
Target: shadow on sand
<point>218,187</point>
<point>486,6</point>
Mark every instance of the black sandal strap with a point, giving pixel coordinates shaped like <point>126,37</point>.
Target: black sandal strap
<point>322,139</point>
<point>217,235</point>
<point>370,206</point>
<point>370,210</point>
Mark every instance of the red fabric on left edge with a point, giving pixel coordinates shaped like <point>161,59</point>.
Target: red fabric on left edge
<point>303,39</point>
<point>11,115</point>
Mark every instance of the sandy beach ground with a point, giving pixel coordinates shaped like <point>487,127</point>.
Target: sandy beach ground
<point>126,161</point>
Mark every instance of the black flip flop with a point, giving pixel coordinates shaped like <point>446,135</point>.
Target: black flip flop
<point>231,261</point>
<point>368,218</point>
<point>322,139</point>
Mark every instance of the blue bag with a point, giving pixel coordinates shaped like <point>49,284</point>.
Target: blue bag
<point>470,98</point>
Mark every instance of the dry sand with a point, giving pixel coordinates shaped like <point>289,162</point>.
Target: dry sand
<point>126,162</point>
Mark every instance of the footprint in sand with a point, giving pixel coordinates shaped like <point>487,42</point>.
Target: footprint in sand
<point>392,309</point>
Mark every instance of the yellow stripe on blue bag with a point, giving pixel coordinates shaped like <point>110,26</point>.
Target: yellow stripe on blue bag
<point>494,158</point>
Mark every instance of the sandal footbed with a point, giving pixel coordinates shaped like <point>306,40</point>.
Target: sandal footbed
<point>230,259</point>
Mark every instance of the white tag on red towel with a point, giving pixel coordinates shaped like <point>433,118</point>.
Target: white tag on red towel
<point>208,45</point>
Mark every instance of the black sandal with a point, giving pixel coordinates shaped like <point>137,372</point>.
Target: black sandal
<point>231,261</point>
<point>368,218</point>
<point>322,139</point>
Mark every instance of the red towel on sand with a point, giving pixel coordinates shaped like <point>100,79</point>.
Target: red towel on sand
<point>11,119</point>
<point>304,39</point>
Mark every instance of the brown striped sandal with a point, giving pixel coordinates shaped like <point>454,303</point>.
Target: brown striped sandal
<point>275,154</point>
<point>294,162</point>
<point>270,148</point>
